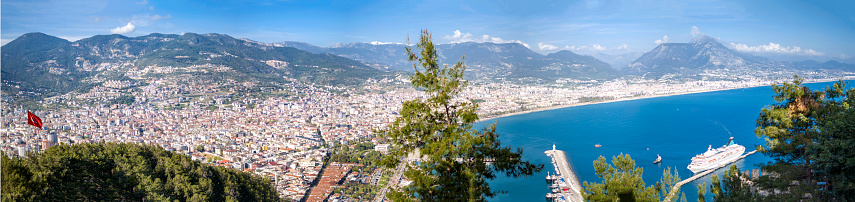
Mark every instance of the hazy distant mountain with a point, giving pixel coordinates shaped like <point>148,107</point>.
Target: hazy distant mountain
<point>387,57</point>
<point>574,64</point>
<point>486,52</point>
<point>513,60</point>
<point>701,53</point>
<point>45,65</point>
<point>816,65</point>
<point>380,56</point>
<point>302,46</point>
<point>618,61</point>
<point>789,58</point>
<point>484,60</point>
<point>850,60</point>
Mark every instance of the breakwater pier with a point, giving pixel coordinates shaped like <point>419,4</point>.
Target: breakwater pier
<point>565,184</point>
<point>677,186</point>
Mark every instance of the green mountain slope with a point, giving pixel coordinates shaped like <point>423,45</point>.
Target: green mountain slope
<point>37,66</point>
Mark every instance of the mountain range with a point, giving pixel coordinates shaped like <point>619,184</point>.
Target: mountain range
<point>618,61</point>
<point>494,61</point>
<point>38,65</point>
<point>485,61</point>
<point>707,53</point>
<point>701,53</point>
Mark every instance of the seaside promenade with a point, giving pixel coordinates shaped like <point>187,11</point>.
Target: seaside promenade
<point>677,186</point>
<point>566,177</point>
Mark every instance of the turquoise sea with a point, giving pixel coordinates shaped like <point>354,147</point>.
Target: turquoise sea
<point>675,127</point>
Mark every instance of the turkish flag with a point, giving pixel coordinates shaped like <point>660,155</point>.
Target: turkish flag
<point>34,120</point>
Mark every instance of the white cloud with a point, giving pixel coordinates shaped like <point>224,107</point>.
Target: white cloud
<point>546,47</point>
<point>144,2</point>
<point>775,48</point>
<point>585,48</point>
<point>3,42</point>
<point>381,43</point>
<point>146,20</point>
<point>158,17</point>
<point>460,37</point>
<point>72,38</point>
<point>124,29</point>
<point>592,47</point>
<point>697,32</point>
<point>661,41</point>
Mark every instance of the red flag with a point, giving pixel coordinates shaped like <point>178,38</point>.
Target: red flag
<point>34,120</point>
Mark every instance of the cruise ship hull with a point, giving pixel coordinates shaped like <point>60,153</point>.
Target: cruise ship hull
<point>726,160</point>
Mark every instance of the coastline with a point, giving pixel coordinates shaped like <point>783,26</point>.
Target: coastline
<point>642,97</point>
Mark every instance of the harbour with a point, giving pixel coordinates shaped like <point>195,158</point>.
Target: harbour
<point>640,128</point>
<point>564,184</point>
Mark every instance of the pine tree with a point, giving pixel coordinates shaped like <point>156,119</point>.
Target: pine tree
<point>622,181</point>
<point>454,155</point>
<point>809,134</point>
<point>732,187</point>
<point>790,125</point>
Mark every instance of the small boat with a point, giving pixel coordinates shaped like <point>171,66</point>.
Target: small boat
<point>658,159</point>
<point>550,178</point>
<point>598,145</point>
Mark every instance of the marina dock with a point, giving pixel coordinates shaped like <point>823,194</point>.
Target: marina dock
<point>677,186</point>
<point>569,188</point>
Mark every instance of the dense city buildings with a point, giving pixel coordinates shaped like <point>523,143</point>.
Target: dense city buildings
<point>288,138</point>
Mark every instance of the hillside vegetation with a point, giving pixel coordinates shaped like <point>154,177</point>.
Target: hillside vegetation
<point>125,172</point>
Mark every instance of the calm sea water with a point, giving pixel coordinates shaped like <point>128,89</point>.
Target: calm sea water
<point>675,127</point>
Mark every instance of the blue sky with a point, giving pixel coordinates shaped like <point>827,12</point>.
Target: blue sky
<point>798,28</point>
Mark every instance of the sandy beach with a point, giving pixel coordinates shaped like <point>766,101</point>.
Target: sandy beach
<point>641,97</point>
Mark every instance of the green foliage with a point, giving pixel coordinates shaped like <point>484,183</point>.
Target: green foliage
<point>790,125</point>
<point>810,136</point>
<point>623,182</point>
<point>454,166</point>
<point>125,172</point>
<point>667,183</point>
<point>123,99</point>
<point>833,159</point>
<point>702,190</point>
<point>731,187</point>
<point>359,192</point>
<point>362,153</point>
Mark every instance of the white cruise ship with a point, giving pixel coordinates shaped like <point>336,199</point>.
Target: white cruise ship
<point>713,158</point>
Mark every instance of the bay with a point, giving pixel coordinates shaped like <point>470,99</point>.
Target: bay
<point>675,127</point>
